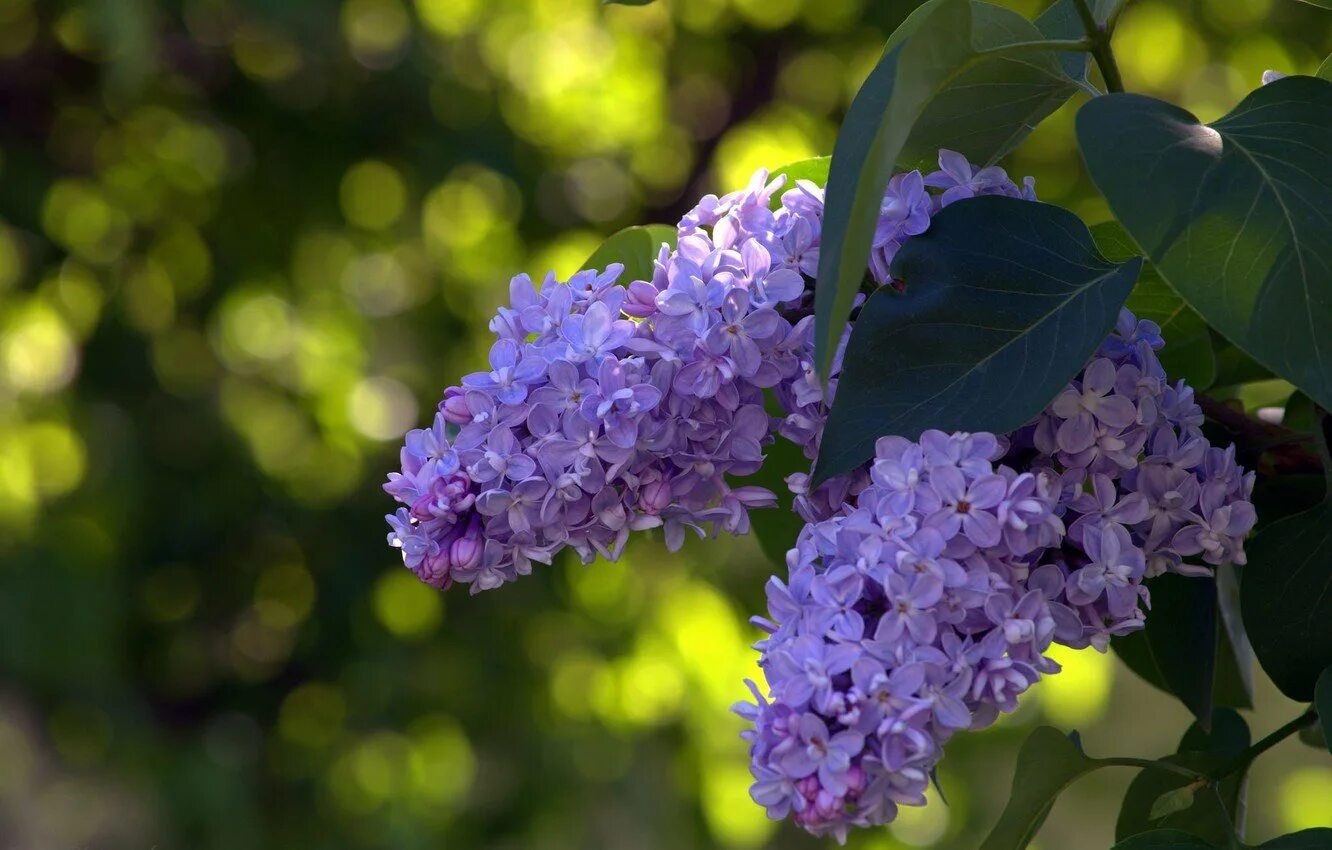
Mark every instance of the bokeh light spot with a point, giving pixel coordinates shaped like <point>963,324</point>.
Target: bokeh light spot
<point>405,606</point>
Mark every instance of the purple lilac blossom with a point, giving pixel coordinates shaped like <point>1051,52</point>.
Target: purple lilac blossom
<point>942,578</point>
<point>905,618</point>
<point>926,585</point>
<point>612,406</point>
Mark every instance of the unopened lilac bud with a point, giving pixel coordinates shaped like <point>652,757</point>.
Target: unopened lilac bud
<point>465,553</point>
<point>454,407</point>
<point>435,570</point>
<point>656,497</point>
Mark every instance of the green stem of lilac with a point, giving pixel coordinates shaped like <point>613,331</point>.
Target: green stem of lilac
<point>1099,36</point>
<point>1242,760</point>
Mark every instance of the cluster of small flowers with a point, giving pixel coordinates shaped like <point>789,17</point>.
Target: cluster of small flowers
<point>612,408</point>
<point>1141,487</point>
<point>923,605</point>
<point>913,614</point>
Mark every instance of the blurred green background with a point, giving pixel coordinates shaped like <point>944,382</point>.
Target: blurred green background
<point>243,247</point>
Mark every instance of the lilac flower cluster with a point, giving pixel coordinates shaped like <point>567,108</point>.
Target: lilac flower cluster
<point>907,617</point>
<point>923,605</point>
<point>613,408</point>
<point>1142,488</point>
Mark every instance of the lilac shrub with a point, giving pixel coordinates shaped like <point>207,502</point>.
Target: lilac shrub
<point>925,587</point>
<point>614,407</point>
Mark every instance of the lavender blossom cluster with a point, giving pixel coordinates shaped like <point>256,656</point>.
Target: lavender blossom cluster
<point>905,618</point>
<point>924,604</point>
<point>610,408</point>
<point>1143,491</point>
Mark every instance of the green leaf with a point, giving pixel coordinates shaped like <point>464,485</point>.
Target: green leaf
<point>1136,654</point>
<point>1234,367</point>
<point>1004,301</point>
<point>1047,764</point>
<point>1182,635</point>
<point>1208,815</point>
<point>1188,350</point>
<point>1234,654</point>
<point>777,528</point>
<point>1322,704</point>
<point>947,78</point>
<point>1233,215</point>
<point>1300,414</point>
<point>1286,599</point>
<point>1322,4</point>
<point>1319,838</point>
<point>1233,683</point>
<point>815,170</point>
<point>1105,10</point>
<point>1060,21</point>
<point>625,2</point>
<point>1324,71</point>
<point>636,247</point>
<point>1173,801</point>
<point>1162,839</point>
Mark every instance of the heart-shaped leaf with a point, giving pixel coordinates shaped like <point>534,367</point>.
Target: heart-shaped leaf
<point>1047,764</point>
<point>1319,838</point>
<point>1004,301</point>
<point>636,247</point>
<point>1182,633</point>
<point>1286,597</point>
<point>1162,839</point>
<point>1188,350</point>
<point>1233,215</point>
<point>952,76</point>
<point>1323,705</point>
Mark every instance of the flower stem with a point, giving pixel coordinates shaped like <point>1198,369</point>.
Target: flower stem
<point>1242,760</point>
<point>1101,51</point>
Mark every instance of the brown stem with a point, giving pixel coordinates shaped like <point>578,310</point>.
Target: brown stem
<point>1285,449</point>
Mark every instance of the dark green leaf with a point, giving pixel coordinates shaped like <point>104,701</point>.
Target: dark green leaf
<point>1005,299</point>
<point>625,2</point>
<point>1300,413</point>
<point>636,247</point>
<point>1104,10</point>
<point>1319,838</point>
<point>1162,839</point>
<point>1136,654</point>
<point>1313,736</point>
<point>1234,215</point>
<point>1209,815</point>
<point>1182,635</point>
<point>1047,764</point>
<point>1061,20</point>
<point>1286,598</point>
<point>776,528</point>
<point>1188,349</point>
<point>946,69</point>
<point>1323,705</point>
<point>1322,4</point>
<point>1233,685</point>
<point>1234,367</point>
<point>1324,71</point>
